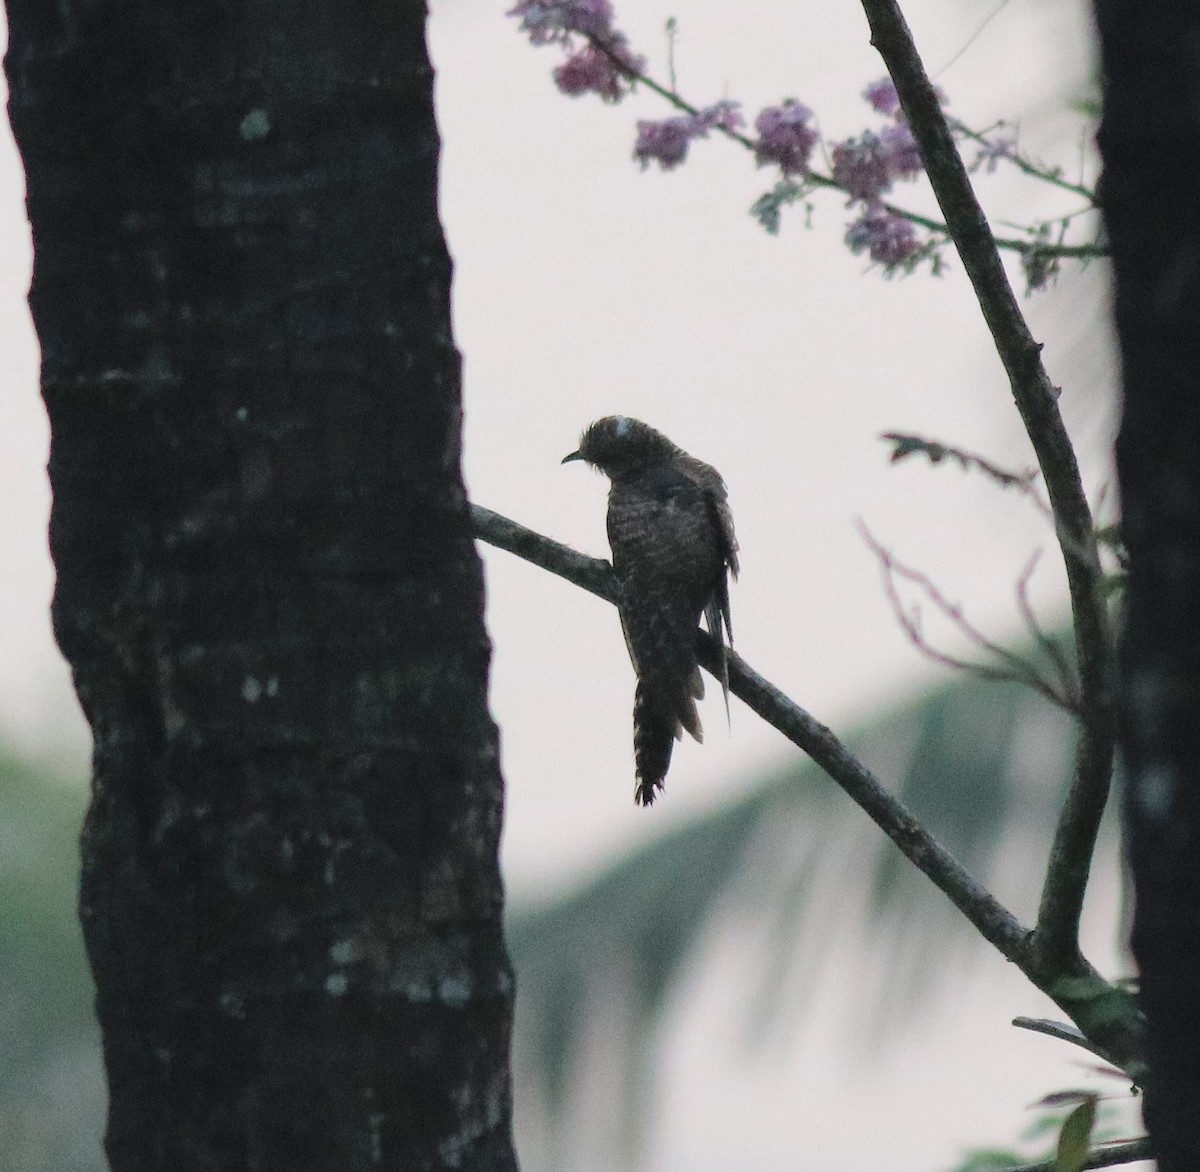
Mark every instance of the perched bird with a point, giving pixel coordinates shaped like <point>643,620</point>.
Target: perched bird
<point>673,548</point>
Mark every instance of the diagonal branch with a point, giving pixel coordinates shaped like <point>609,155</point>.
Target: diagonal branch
<point>994,921</point>
<point>592,574</point>
<point>1104,1012</point>
<point>1057,931</point>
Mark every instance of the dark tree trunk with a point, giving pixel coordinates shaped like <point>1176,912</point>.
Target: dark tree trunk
<point>267,588</point>
<point>1150,138</point>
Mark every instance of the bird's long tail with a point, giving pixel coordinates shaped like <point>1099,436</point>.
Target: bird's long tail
<point>654,733</point>
<point>656,728</point>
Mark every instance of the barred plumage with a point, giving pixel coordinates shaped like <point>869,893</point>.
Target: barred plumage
<point>673,548</point>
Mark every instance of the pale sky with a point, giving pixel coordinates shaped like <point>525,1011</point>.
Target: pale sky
<point>585,287</point>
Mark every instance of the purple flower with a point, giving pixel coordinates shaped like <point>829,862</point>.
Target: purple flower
<point>866,167</point>
<point>860,167</point>
<point>883,97</point>
<point>784,137</point>
<point>667,141</point>
<point>888,239</point>
<point>900,152</point>
<point>593,71</point>
<point>548,21</point>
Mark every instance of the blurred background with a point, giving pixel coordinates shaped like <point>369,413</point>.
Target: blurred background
<point>744,977</point>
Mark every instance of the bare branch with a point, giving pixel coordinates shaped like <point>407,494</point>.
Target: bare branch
<point>1105,1012</point>
<point>1057,931</point>
<point>1019,669</point>
<point>592,574</point>
<point>994,921</point>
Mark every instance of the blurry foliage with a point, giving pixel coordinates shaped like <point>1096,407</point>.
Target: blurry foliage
<point>51,1084</point>
<point>979,762</point>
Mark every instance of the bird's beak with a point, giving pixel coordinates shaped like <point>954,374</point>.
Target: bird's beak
<point>572,456</point>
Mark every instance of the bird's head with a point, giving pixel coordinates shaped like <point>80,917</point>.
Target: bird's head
<point>620,446</point>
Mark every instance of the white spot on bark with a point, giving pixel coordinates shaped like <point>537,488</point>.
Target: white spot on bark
<point>375,1135</point>
<point>1154,791</point>
<point>336,984</point>
<point>241,415</point>
<point>1146,699</point>
<point>252,690</point>
<point>233,1005</point>
<point>417,991</point>
<point>256,125</point>
<point>455,991</point>
<point>273,687</point>
<point>343,951</point>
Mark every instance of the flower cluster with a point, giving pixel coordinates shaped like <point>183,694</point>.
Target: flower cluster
<point>599,60</point>
<point>867,166</point>
<point>666,141</point>
<point>888,239</point>
<point>604,65</point>
<point>551,22</point>
<point>591,70</point>
<point>883,97</point>
<point>785,137</point>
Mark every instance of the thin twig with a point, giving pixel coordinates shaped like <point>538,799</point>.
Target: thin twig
<point>1027,166</point>
<point>1019,669</point>
<point>672,31</point>
<point>1070,686</point>
<point>1107,1013</point>
<point>1106,1157</point>
<point>905,445</point>
<point>1024,482</point>
<point>1057,931</point>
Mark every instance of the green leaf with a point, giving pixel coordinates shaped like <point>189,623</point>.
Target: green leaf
<point>1074,1140</point>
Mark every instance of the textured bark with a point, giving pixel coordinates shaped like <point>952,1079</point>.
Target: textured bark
<point>267,587</point>
<point>1150,139</point>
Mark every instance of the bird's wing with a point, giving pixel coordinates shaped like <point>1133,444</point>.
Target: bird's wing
<point>717,614</point>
